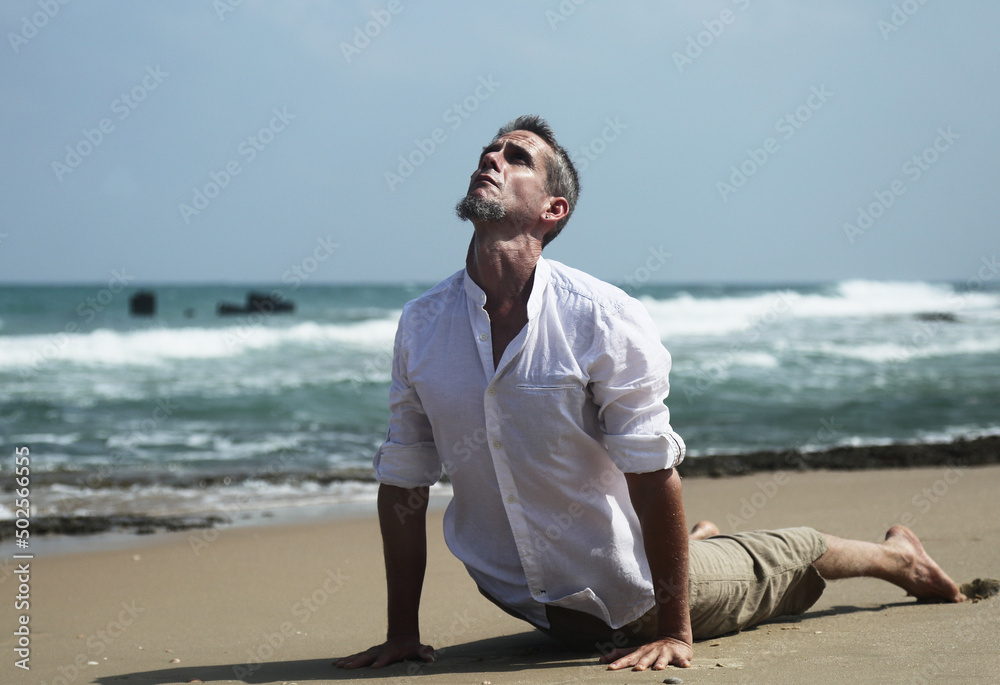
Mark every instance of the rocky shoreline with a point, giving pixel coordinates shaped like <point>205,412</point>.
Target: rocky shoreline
<point>975,452</point>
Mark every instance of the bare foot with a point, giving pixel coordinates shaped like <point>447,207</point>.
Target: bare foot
<point>920,575</point>
<point>703,530</point>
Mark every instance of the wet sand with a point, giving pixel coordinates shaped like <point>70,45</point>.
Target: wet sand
<point>275,604</point>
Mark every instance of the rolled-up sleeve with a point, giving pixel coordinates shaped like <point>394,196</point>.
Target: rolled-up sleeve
<point>629,378</point>
<point>408,458</point>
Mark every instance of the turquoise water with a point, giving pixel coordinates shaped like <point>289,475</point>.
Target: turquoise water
<point>93,391</point>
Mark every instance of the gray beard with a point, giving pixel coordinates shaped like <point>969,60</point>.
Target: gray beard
<point>475,208</point>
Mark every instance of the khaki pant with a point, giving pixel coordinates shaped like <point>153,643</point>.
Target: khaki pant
<point>735,581</point>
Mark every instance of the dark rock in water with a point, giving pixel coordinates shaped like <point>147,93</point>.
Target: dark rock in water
<point>946,317</point>
<point>142,303</point>
<point>981,588</point>
<point>140,524</point>
<point>266,304</point>
<point>225,308</point>
<point>961,452</point>
<point>257,303</point>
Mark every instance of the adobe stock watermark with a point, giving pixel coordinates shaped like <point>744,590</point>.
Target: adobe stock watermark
<point>246,501</point>
<point>926,331</point>
<point>714,28</point>
<point>454,117</point>
<point>900,14</point>
<point>594,491</point>
<point>303,610</point>
<point>87,311</point>
<point>468,447</point>
<point>294,276</point>
<point>364,35</point>
<point>658,256</point>
<point>925,500</point>
<point>715,370</point>
<point>766,490</point>
<point>787,125</point>
<point>224,7</point>
<point>974,627</point>
<point>373,370</point>
<point>565,10</point>
<point>139,430</point>
<point>914,169</point>
<point>248,149</point>
<point>122,107</point>
<point>598,144</point>
<point>460,625</point>
<point>97,643</point>
<point>32,24</point>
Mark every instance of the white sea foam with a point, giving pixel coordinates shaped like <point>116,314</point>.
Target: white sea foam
<point>716,316</point>
<point>230,501</point>
<point>685,315</point>
<point>943,436</point>
<point>761,360</point>
<point>719,362</point>
<point>48,438</point>
<point>878,353</point>
<point>860,298</point>
<point>152,347</point>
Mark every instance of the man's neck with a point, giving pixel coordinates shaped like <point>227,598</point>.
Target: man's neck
<point>503,267</point>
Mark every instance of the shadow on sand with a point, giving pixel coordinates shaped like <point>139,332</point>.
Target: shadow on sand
<point>529,650</point>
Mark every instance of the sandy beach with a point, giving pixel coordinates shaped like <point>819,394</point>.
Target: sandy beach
<point>274,604</point>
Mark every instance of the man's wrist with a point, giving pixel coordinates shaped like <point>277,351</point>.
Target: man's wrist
<point>676,638</point>
<point>673,633</point>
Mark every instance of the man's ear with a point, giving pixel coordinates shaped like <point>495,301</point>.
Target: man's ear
<point>557,210</point>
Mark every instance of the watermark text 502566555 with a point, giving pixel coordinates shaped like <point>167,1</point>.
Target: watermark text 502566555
<point>22,535</point>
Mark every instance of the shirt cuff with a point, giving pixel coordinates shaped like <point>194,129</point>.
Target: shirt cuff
<point>645,453</point>
<point>407,466</point>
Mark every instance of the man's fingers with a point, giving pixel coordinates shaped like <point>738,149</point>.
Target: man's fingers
<point>619,658</point>
<point>356,660</point>
<point>370,657</point>
<point>384,654</point>
<point>659,657</point>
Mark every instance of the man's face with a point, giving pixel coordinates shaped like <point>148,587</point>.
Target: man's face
<point>509,181</point>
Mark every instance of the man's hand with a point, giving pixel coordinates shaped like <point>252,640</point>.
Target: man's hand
<point>658,655</point>
<point>389,652</point>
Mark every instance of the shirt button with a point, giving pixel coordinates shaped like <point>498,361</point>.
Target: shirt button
<point>492,391</point>
<point>511,499</point>
<point>496,444</point>
<point>483,336</point>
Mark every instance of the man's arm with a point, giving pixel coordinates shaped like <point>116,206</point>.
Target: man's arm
<point>402,514</point>
<point>656,497</point>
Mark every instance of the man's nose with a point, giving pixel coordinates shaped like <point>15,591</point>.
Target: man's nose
<point>491,160</point>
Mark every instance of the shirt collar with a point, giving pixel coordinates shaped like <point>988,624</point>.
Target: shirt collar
<point>543,272</point>
<point>473,291</point>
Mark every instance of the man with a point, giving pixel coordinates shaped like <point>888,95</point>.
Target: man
<point>540,390</point>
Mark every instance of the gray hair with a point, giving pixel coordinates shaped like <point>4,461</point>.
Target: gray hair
<point>561,179</point>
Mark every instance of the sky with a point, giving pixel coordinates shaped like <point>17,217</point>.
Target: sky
<point>727,141</point>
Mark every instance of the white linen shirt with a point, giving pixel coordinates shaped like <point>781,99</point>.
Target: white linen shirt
<point>535,449</point>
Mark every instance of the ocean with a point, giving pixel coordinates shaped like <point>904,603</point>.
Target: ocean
<point>191,412</point>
